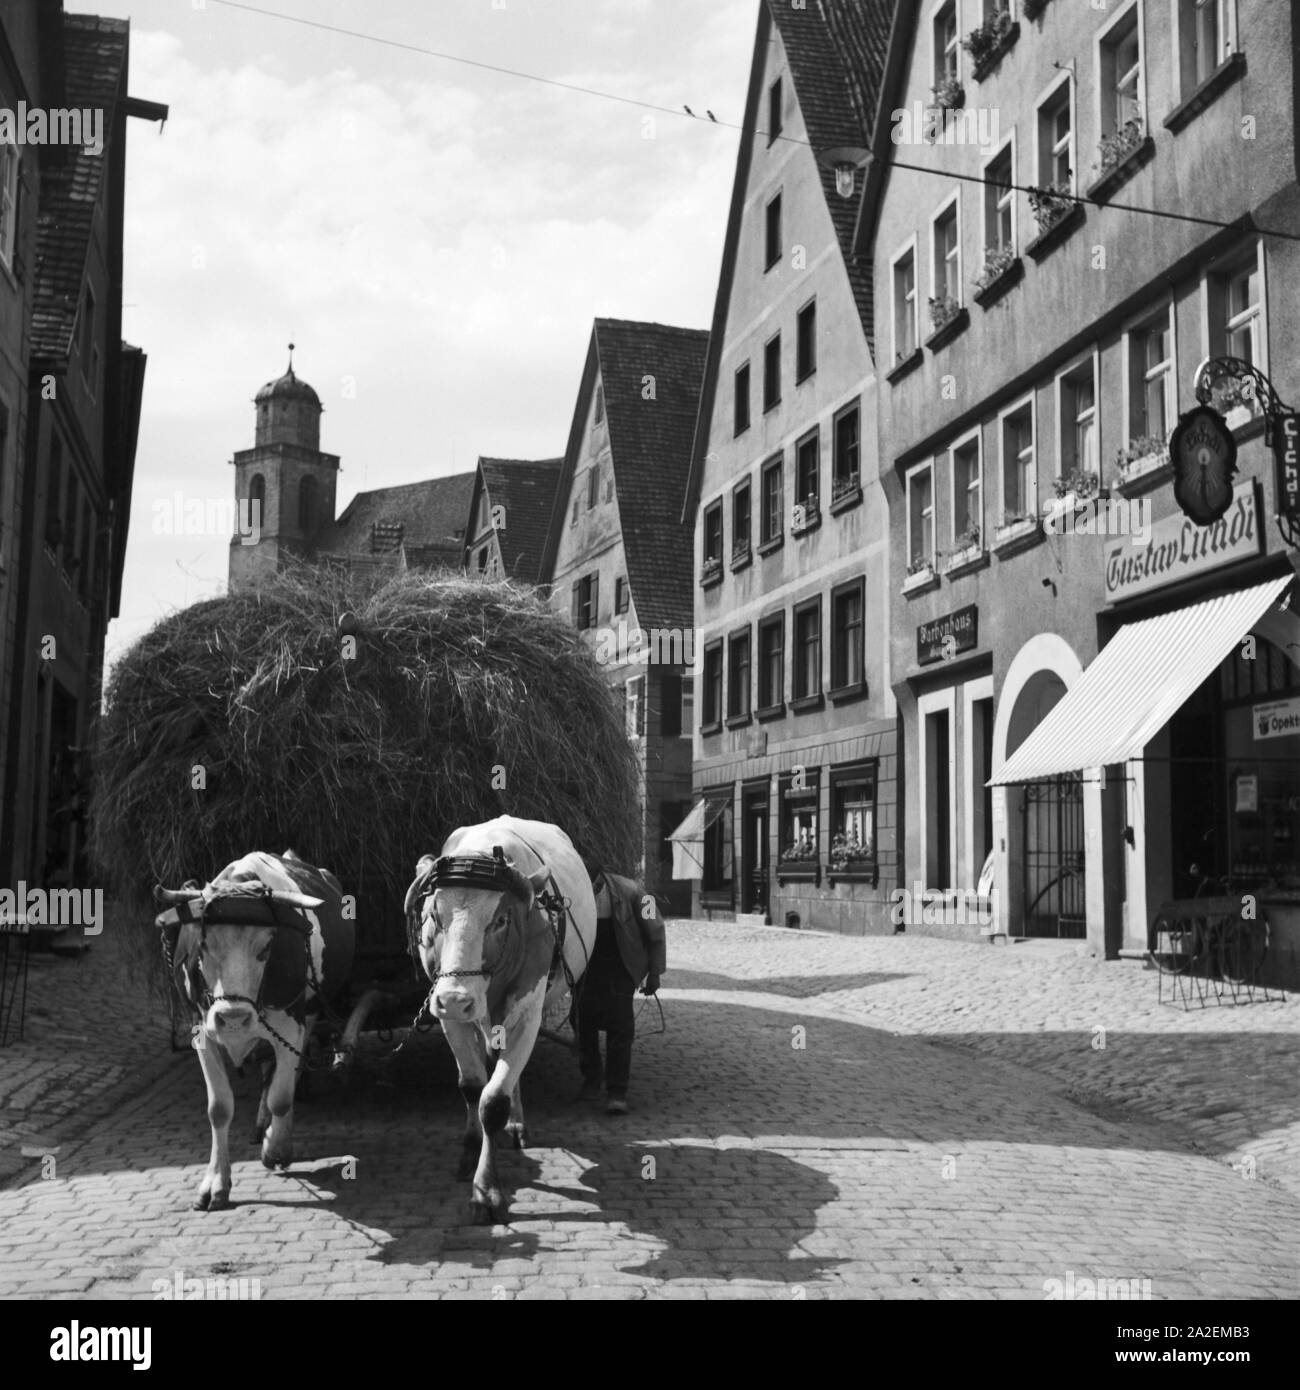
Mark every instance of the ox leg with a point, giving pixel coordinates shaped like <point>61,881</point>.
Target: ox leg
<point>263,1110</point>
<point>277,1146</point>
<point>214,1190</point>
<point>466,1043</point>
<point>516,1132</point>
<point>500,1095</point>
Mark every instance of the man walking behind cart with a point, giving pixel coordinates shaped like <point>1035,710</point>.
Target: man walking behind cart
<point>630,948</point>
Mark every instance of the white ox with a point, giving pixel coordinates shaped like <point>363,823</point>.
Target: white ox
<point>256,954</point>
<point>488,944</point>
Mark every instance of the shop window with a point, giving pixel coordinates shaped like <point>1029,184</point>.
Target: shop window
<point>1151,379</point>
<point>807,666</point>
<point>741,408</point>
<point>712,712</point>
<point>1120,78</point>
<point>920,518</point>
<point>635,691</point>
<point>905,317</point>
<point>716,880</point>
<point>848,649</point>
<point>771,663</point>
<point>772,373</point>
<point>805,355</point>
<point>738,688</point>
<point>800,841</point>
<point>772,492</point>
<point>1019,475</point>
<point>853,821</point>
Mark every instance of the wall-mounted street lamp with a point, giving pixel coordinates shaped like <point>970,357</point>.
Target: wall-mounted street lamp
<point>846,160</point>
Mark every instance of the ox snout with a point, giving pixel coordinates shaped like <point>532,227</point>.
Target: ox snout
<point>457,1003</point>
<point>227,1019</point>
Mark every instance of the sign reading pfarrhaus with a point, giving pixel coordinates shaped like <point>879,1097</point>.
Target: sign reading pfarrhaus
<point>942,639</point>
<point>1179,548</point>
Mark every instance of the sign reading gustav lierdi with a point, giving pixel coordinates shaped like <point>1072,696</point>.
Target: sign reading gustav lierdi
<point>1178,547</point>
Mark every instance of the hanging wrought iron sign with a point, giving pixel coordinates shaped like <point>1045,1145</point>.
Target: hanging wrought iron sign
<point>1286,463</point>
<point>1204,456</point>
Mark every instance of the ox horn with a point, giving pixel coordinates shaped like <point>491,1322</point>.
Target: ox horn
<point>422,870</point>
<point>187,894</point>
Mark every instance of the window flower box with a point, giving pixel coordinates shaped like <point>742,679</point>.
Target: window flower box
<point>966,550</point>
<point>948,318</point>
<point>1017,531</point>
<point>812,516</point>
<point>741,555</point>
<point>1139,459</point>
<point>1120,156</point>
<point>987,43</point>
<point>846,492</point>
<point>1056,213</point>
<point>949,95</point>
<point>1002,269</point>
<point>920,575</point>
<point>852,860</point>
<point>711,571</point>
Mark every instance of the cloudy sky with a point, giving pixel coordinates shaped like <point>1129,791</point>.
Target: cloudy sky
<point>436,238</point>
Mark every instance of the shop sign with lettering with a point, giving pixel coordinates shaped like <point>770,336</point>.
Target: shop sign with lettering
<point>1277,719</point>
<point>1286,457</point>
<point>1178,548</point>
<point>945,637</point>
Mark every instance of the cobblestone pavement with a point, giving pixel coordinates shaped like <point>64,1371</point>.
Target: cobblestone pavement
<point>823,1117</point>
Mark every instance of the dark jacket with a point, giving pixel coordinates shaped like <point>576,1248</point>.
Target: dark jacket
<point>638,928</point>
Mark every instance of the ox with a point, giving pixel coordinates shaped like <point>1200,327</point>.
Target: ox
<point>257,953</point>
<point>506,921</point>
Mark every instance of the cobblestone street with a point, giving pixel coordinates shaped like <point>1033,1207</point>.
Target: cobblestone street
<point>960,1121</point>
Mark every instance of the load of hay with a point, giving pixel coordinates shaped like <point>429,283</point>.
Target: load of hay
<point>357,724</point>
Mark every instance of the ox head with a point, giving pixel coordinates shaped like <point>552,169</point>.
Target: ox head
<point>221,966</point>
<point>471,916</point>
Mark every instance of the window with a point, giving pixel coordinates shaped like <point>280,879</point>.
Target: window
<point>483,560</point>
<point>946,47</point>
<point>772,240</point>
<point>256,501</point>
<point>586,602</point>
<point>774,111</point>
<point>772,373</point>
<point>593,486</point>
<point>609,484</point>
<point>905,305</point>
<point>88,347</point>
<point>308,505</point>
<point>807,665</point>
<point>845,467</point>
<point>688,707</point>
<point>1206,39</point>
<point>771,662</point>
<point>481,515</point>
<point>713,535</point>
<point>54,497</point>
<point>848,650</point>
<point>712,713</point>
<point>1078,421</point>
<point>740,519</point>
<point>800,843</point>
<point>1242,325</point>
<point>1056,141</point>
<point>853,819</point>
<point>1019,477</point>
<point>635,691</point>
<point>999,206</point>
<point>1235,312</point>
<point>8,203</point>
<point>805,354</point>
<point>573,518</point>
<point>598,414</point>
<point>770,527</point>
<point>947,256</point>
<point>1121,75</point>
<point>808,455</point>
<point>671,704</point>
<point>718,858</point>
<point>742,399</point>
<point>620,595</point>
<point>967,494</point>
<point>920,517</point>
<point>738,676</point>
<point>1151,378</point>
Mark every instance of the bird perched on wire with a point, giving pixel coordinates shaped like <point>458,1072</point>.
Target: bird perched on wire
<point>710,115</point>
<point>688,111</point>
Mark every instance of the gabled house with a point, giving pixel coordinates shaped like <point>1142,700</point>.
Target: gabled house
<point>796,780</point>
<point>70,394</point>
<point>618,557</point>
<point>510,513</point>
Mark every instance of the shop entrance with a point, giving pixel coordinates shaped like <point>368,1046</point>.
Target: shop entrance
<point>754,858</point>
<point>1052,840</point>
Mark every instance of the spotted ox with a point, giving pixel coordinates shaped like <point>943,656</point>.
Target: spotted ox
<point>255,954</point>
<point>488,917</point>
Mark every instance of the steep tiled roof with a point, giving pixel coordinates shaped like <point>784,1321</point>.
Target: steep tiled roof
<point>95,52</point>
<point>650,442</point>
<point>836,50</point>
<point>526,489</point>
<point>432,516</point>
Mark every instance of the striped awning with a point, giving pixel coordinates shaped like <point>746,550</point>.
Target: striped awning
<point>1139,680</point>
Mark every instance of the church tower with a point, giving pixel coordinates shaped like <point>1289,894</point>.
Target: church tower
<point>284,486</point>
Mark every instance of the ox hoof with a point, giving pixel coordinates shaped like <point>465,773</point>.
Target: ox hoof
<point>485,1214</point>
<point>273,1159</point>
<point>516,1135</point>
<point>212,1201</point>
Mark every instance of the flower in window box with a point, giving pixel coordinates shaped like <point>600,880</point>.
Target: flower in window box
<point>1115,148</point>
<point>801,851</point>
<point>713,565</point>
<point>948,95</point>
<point>1050,203</point>
<point>1078,484</point>
<point>1017,518</point>
<point>968,540</point>
<point>997,261</point>
<point>943,310</point>
<point>921,564</point>
<point>981,43</point>
<point>848,850</point>
<point>841,487</point>
<point>1145,446</point>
